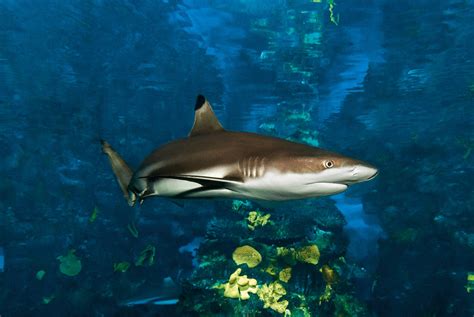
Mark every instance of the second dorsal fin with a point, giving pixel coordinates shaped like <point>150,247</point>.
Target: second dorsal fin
<point>205,121</point>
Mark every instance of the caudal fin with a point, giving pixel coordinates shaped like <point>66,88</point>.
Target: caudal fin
<point>122,171</point>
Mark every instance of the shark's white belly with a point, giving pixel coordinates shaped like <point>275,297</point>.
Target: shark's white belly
<point>277,186</point>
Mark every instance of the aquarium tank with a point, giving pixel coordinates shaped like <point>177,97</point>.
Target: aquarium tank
<point>261,116</point>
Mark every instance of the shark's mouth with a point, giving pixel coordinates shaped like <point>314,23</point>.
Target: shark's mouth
<point>373,176</point>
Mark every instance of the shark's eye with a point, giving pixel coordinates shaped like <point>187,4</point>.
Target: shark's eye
<point>328,164</point>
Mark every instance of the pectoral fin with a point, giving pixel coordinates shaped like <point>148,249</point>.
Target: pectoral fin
<point>206,183</point>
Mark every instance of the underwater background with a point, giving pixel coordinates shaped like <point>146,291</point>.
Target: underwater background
<point>389,82</point>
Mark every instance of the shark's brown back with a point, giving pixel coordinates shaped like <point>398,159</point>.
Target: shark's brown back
<point>224,148</point>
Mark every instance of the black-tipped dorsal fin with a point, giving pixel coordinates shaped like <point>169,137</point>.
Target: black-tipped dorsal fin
<point>205,121</point>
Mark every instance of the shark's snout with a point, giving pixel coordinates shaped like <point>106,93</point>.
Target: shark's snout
<point>361,173</point>
<point>364,172</point>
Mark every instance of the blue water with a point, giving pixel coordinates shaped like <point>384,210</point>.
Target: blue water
<point>388,82</point>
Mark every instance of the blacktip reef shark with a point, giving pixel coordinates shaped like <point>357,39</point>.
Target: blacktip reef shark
<point>213,162</point>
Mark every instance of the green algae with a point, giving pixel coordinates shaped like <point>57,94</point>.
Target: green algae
<point>70,264</point>
<point>94,214</point>
<point>40,275</point>
<point>146,257</point>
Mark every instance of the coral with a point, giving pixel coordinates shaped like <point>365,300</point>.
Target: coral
<point>146,257</point>
<point>301,311</point>
<point>121,267</point>
<point>227,228</point>
<point>239,204</point>
<point>211,260</point>
<point>308,254</point>
<point>40,275</point>
<point>295,115</point>
<point>329,275</point>
<point>70,264</point>
<point>257,219</point>
<point>247,255</point>
<point>323,239</point>
<point>287,254</point>
<point>326,296</point>
<point>271,269</point>
<point>270,294</point>
<point>347,305</point>
<point>282,258</point>
<point>285,275</point>
<point>239,286</point>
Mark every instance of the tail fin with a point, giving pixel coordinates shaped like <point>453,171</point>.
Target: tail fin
<point>121,171</point>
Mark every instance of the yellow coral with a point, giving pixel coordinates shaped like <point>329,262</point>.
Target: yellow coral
<point>309,254</point>
<point>247,255</point>
<point>287,254</point>
<point>326,296</point>
<point>280,307</point>
<point>239,286</point>
<point>271,269</point>
<point>329,275</point>
<point>270,294</point>
<point>257,219</point>
<point>285,275</point>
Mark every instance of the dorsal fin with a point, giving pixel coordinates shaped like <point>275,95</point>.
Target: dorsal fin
<point>205,121</point>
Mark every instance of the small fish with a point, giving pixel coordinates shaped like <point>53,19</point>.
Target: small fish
<point>48,299</point>
<point>132,229</point>
<point>94,214</point>
<point>167,293</point>
<point>213,162</point>
<point>121,267</point>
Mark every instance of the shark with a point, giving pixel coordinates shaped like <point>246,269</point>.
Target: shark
<point>212,162</point>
